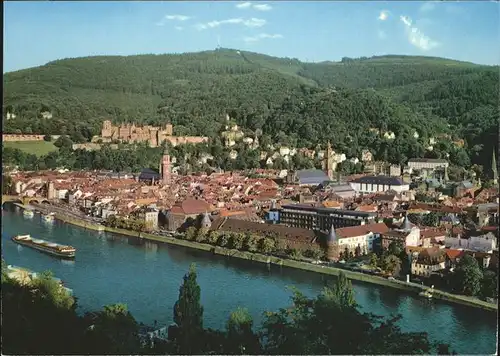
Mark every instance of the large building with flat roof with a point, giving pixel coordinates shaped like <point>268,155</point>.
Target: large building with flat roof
<point>322,219</point>
<point>379,184</point>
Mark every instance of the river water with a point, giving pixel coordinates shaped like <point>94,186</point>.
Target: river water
<point>109,268</point>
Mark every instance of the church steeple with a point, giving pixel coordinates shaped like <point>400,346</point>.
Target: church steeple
<point>166,168</point>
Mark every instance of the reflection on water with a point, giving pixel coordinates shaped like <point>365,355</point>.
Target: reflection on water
<point>147,275</point>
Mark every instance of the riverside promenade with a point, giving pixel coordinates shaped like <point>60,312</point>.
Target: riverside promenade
<point>73,218</point>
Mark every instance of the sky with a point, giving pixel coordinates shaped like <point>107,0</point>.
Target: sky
<point>39,32</point>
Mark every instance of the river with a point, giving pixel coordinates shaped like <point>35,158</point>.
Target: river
<point>109,268</point>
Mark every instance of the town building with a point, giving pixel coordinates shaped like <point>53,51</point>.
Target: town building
<point>427,163</point>
<point>379,184</point>
<point>427,166</point>
<point>475,241</point>
<point>405,235</point>
<point>291,237</point>
<point>321,219</point>
<point>150,217</point>
<point>362,238</point>
<point>186,213</point>
<point>307,177</point>
<point>428,261</point>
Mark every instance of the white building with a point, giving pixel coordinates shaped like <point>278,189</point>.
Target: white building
<point>376,184</point>
<point>427,163</point>
<point>362,236</point>
<point>481,243</point>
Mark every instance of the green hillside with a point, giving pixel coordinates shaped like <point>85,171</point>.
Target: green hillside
<point>292,102</point>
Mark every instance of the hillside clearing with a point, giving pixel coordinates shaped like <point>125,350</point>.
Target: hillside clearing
<point>38,148</point>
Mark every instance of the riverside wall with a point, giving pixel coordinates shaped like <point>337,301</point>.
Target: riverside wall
<point>282,262</point>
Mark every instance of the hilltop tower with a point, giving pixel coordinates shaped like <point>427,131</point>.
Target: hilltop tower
<point>166,168</point>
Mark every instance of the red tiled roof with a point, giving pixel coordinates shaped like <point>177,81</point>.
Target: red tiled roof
<point>360,230</point>
<point>453,254</point>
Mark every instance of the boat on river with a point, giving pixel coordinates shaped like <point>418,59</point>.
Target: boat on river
<point>425,294</point>
<point>51,248</point>
<point>48,217</point>
<point>28,213</point>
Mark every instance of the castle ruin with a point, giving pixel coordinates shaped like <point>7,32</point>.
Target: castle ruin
<point>130,133</point>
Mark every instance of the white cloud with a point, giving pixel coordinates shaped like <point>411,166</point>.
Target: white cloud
<point>428,6</point>
<point>244,5</point>
<point>262,36</point>
<point>416,37</point>
<point>172,18</point>
<point>258,7</point>
<point>253,22</point>
<point>177,17</point>
<point>384,15</point>
<point>262,7</point>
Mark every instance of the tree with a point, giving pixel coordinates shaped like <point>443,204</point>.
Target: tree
<point>190,233</point>
<point>431,219</point>
<point>114,331</point>
<point>394,248</point>
<point>390,264</point>
<point>489,284</point>
<point>467,276</point>
<point>331,324</point>
<point>64,142</point>
<point>357,251</point>
<point>266,245</point>
<point>374,260</point>
<point>240,337</point>
<point>251,242</point>
<point>237,240</point>
<point>341,291</point>
<point>47,138</point>
<point>188,313</point>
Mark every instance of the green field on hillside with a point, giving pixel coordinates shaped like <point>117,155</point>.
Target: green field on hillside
<point>38,148</point>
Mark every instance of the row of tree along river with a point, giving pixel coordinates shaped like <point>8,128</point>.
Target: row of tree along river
<point>109,268</point>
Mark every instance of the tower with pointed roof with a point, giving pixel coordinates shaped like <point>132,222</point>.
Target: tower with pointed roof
<point>407,226</point>
<point>205,221</point>
<point>332,245</point>
<point>166,169</point>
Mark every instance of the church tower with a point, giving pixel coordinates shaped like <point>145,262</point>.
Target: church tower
<point>166,167</point>
<point>329,161</point>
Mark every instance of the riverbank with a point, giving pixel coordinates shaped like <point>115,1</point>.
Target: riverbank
<point>328,270</point>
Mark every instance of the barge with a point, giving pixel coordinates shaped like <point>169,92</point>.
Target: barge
<point>51,248</point>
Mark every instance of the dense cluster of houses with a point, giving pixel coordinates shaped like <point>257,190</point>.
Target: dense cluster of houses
<point>358,213</point>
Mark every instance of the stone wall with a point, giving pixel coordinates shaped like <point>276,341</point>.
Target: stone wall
<point>14,138</point>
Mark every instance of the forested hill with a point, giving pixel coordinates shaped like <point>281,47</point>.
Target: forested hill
<point>291,101</point>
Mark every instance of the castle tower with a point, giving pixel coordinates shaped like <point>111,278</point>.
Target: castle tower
<point>165,167</point>
<point>206,222</point>
<point>328,161</point>
<point>332,245</point>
